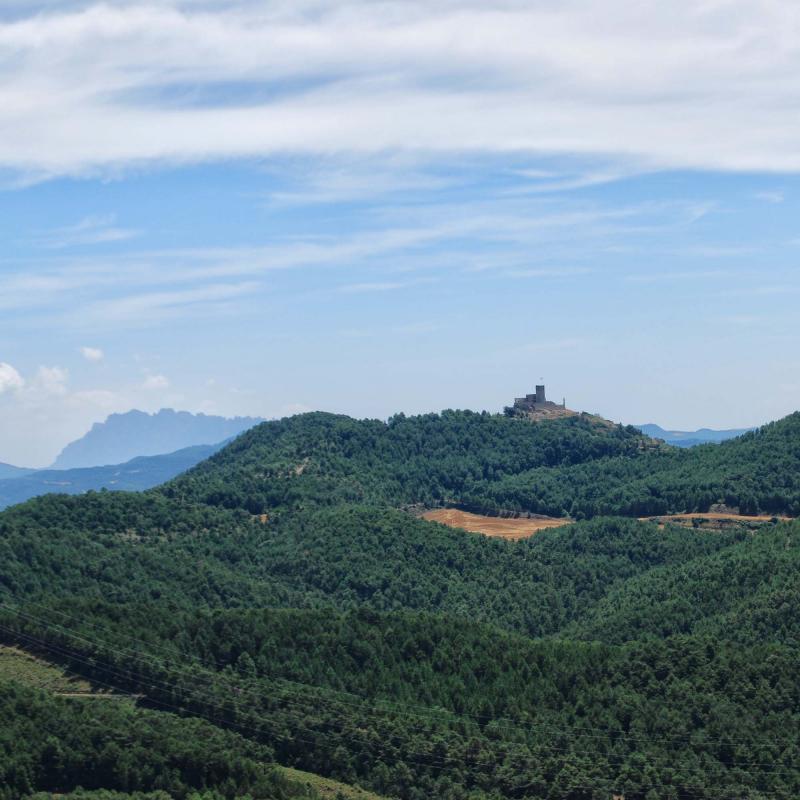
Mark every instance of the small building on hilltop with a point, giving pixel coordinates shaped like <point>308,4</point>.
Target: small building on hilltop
<point>536,406</point>
<point>536,401</point>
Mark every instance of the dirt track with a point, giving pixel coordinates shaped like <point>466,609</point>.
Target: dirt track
<point>711,516</point>
<point>503,528</point>
<point>712,521</point>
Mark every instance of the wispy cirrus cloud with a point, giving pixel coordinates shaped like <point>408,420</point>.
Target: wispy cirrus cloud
<point>94,354</point>
<point>98,86</point>
<point>549,272</point>
<point>771,196</point>
<point>398,247</point>
<point>155,382</point>
<point>90,230</point>
<point>376,286</point>
<point>136,308</point>
<point>679,276</point>
<point>549,181</point>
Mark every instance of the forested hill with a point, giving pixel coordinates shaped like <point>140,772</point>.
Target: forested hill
<point>278,603</point>
<point>579,466</point>
<point>430,459</point>
<point>756,472</point>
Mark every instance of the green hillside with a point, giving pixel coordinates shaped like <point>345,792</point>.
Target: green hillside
<point>577,466</point>
<point>341,635</point>
<point>58,743</point>
<point>758,472</point>
<point>324,459</point>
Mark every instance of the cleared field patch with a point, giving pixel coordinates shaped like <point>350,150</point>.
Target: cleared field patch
<point>709,520</point>
<point>327,788</point>
<point>23,667</point>
<point>28,669</point>
<point>502,527</point>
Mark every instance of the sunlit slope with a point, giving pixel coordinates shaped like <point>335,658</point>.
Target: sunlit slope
<point>755,473</point>
<point>579,467</point>
<point>433,459</point>
<point>61,743</point>
<point>286,572</point>
<point>128,548</point>
<point>386,700</point>
<point>747,593</point>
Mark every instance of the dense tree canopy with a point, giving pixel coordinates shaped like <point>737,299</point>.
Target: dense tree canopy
<point>282,601</point>
<point>578,466</point>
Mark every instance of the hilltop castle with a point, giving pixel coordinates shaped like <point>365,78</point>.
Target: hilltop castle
<point>537,401</point>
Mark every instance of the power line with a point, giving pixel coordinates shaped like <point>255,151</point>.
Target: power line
<point>740,766</point>
<point>426,711</point>
<point>431,761</point>
<point>406,757</point>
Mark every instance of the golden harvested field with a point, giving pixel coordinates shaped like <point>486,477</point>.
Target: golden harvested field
<point>502,527</point>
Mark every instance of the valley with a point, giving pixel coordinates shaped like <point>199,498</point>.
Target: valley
<point>323,330</point>
<point>577,654</point>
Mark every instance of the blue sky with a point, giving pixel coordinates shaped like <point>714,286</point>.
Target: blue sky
<point>261,208</point>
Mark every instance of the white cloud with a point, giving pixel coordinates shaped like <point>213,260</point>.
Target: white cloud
<point>149,305</point>
<point>441,235</point>
<point>92,353</point>
<point>652,84</point>
<point>678,275</point>
<point>350,180</point>
<point>549,272</point>
<point>155,382</point>
<point>10,379</point>
<point>51,380</point>
<point>770,197</point>
<point>544,182</point>
<point>377,286</point>
<point>90,230</point>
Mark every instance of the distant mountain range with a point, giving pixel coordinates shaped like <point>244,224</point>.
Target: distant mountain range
<point>138,474</point>
<point>123,437</point>
<point>8,471</point>
<point>131,452</point>
<point>292,584</point>
<point>691,438</point>
<point>137,451</point>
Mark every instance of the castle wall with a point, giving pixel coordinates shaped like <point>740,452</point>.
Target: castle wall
<point>531,401</point>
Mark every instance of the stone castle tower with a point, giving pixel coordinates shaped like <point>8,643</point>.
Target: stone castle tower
<point>537,402</point>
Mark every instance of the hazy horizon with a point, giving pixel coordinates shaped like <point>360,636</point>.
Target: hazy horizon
<point>59,446</point>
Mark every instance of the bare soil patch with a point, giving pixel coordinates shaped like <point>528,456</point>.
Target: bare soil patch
<point>502,527</point>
